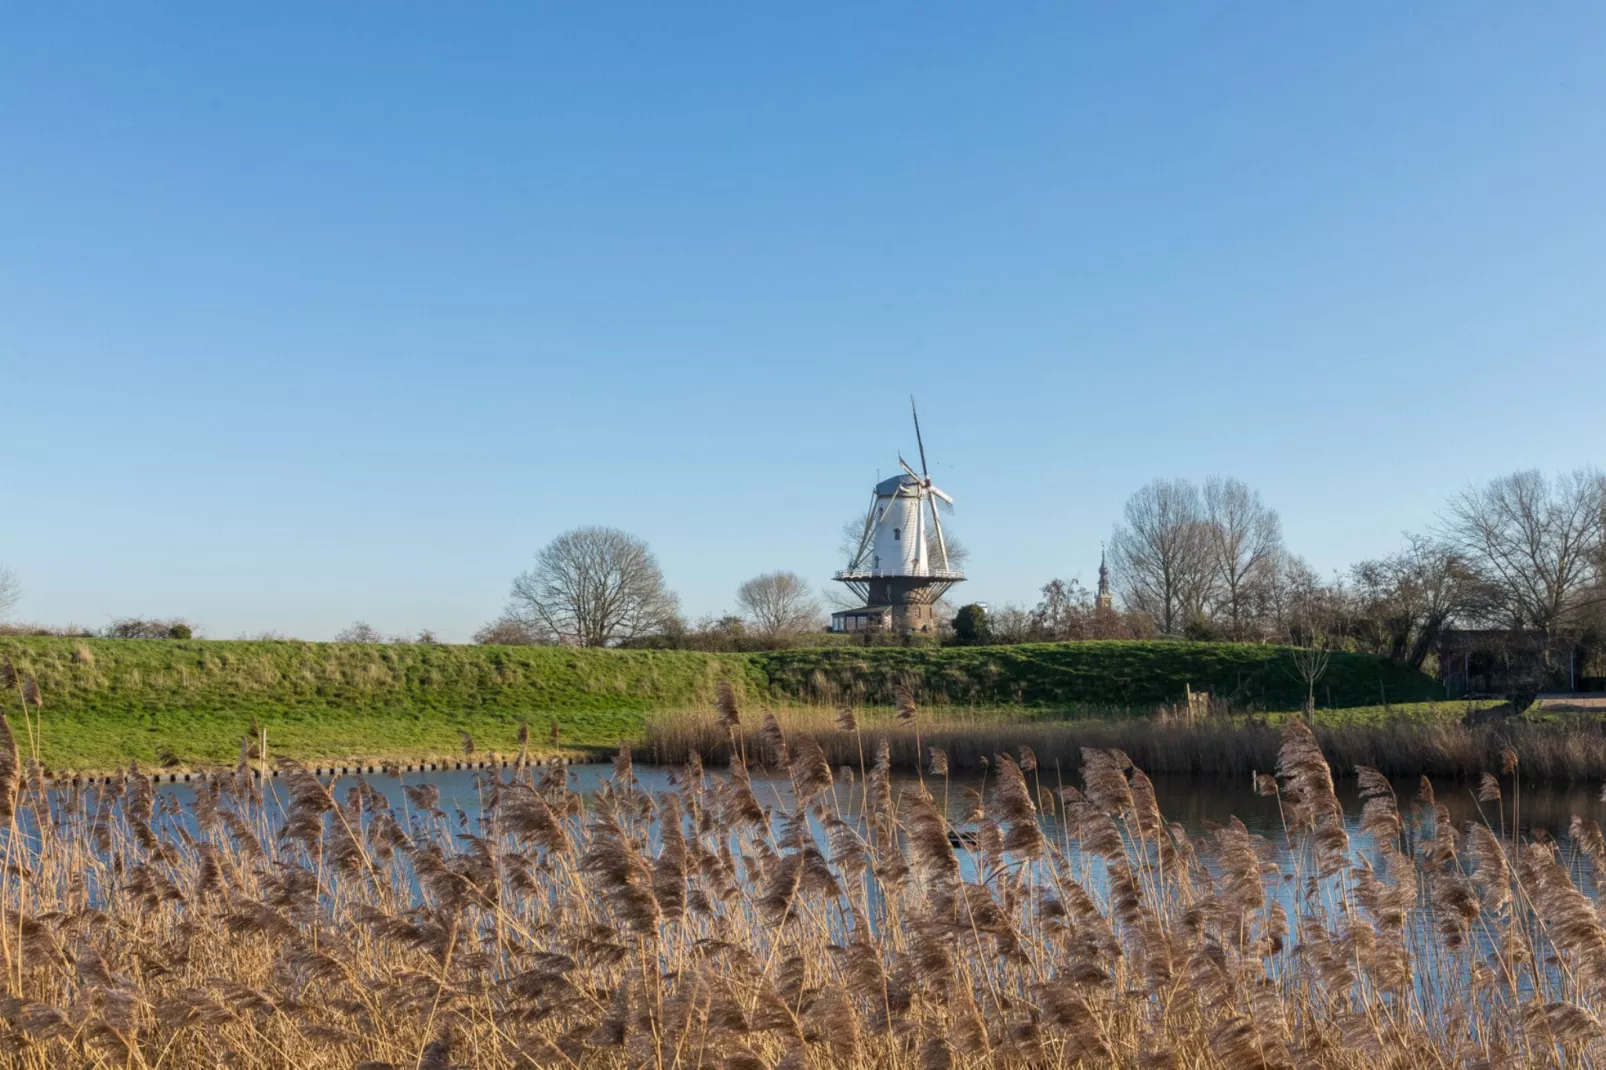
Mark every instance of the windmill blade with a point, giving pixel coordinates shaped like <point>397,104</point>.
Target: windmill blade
<point>911,471</point>
<point>864,537</point>
<point>924,472</point>
<point>935,493</point>
<point>920,540</point>
<point>942,544</point>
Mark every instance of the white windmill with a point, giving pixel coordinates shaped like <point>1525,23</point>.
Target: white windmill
<point>901,565</point>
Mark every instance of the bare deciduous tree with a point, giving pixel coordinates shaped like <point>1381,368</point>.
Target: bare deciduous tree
<point>780,603</point>
<point>1310,661</point>
<point>1290,587</point>
<point>1012,624</point>
<point>154,628</point>
<point>958,552</point>
<point>1537,541</point>
<point>10,591</point>
<point>1244,539</point>
<point>359,631</point>
<point>1161,554</point>
<point>508,630</point>
<point>1405,601</point>
<point>594,586</point>
<point>1063,612</point>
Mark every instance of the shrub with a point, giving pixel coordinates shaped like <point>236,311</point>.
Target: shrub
<point>971,626</point>
<point>508,630</point>
<point>154,628</point>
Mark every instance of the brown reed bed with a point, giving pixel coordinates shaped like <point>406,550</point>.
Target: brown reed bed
<point>1572,750</point>
<point>693,927</point>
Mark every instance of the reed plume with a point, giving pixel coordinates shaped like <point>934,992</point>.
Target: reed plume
<point>10,770</point>
<point>730,714</point>
<point>643,926</point>
<point>773,741</point>
<point>811,773</point>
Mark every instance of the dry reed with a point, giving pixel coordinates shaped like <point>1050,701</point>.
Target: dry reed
<point>1225,747</point>
<point>725,923</point>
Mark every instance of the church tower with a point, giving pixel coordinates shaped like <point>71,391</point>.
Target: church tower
<point>1105,601</point>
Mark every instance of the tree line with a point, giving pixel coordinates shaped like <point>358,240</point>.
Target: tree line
<point>1523,555</point>
<point>599,586</point>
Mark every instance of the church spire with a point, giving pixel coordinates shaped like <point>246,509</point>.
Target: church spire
<point>1105,599</point>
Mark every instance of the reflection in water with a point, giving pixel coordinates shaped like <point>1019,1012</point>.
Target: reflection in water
<point>1193,802</point>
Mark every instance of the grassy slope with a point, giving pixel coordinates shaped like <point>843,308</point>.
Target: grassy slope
<point>1102,675</point>
<point>109,700</point>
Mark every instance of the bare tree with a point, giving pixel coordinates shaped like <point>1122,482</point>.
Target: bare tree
<point>1063,611</point>
<point>1310,661</point>
<point>847,546</point>
<point>154,628</point>
<point>958,552</point>
<point>359,631</point>
<point>594,586</point>
<point>1244,539</point>
<point>508,630</point>
<point>1161,554</point>
<point>10,591</point>
<point>1537,541</point>
<point>780,603</point>
<point>1012,624</point>
<point>849,537</point>
<point>1287,597</point>
<point>1404,602</point>
<point>724,632</point>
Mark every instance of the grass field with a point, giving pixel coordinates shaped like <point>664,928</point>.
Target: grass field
<point>190,702</point>
<point>107,701</point>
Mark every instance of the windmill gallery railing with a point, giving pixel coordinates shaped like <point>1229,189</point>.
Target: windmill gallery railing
<point>855,575</point>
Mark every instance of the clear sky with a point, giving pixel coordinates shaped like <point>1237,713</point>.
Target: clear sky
<point>312,312</point>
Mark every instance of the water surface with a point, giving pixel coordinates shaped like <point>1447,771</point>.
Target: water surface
<point>1195,803</point>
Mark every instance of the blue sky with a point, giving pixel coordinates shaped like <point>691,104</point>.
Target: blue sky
<point>317,312</point>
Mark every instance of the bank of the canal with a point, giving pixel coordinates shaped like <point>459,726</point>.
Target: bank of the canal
<point>188,703</point>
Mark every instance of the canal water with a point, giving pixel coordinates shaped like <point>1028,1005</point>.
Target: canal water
<point>1195,803</point>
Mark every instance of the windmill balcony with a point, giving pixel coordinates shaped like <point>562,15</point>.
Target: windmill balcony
<point>853,575</point>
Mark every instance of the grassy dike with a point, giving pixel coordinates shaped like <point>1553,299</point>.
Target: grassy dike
<point>107,701</point>
<point>110,700</point>
<point>1103,678</point>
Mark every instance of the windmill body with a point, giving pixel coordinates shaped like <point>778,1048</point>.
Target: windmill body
<point>897,545</point>
<point>901,566</point>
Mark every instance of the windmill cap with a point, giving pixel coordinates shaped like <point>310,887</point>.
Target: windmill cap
<point>889,487</point>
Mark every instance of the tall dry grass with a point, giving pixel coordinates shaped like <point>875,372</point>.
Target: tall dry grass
<point>716,924</point>
<point>1211,746</point>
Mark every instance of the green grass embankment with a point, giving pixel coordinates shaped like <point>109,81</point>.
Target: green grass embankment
<point>107,701</point>
<point>1103,677</point>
